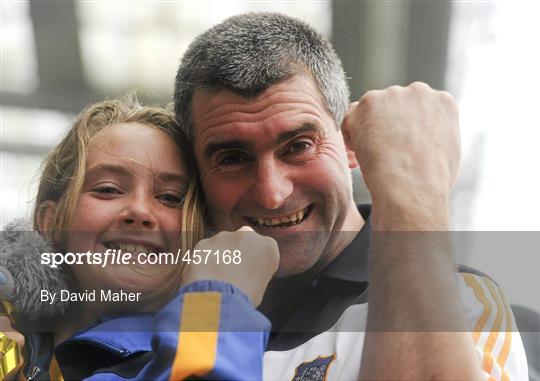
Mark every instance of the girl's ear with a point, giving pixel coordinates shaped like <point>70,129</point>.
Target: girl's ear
<point>46,216</point>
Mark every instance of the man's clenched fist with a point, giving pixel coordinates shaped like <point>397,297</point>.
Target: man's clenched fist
<point>407,142</point>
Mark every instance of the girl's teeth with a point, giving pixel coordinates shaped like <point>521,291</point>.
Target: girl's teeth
<point>131,248</point>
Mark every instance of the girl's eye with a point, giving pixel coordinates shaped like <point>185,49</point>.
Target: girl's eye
<point>171,200</point>
<point>107,189</point>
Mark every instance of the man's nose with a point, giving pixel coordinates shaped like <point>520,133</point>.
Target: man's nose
<point>273,185</point>
<point>139,212</point>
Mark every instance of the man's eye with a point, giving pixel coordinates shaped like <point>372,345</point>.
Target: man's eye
<point>232,158</point>
<point>171,200</point>
<point>299,146</point>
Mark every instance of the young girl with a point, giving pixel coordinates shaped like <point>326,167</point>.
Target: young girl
<point>122,181</point>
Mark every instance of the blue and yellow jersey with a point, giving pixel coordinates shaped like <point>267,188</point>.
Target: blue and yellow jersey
<point>209,330</point>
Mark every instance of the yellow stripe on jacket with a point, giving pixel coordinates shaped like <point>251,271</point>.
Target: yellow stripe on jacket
<point>198,337</point>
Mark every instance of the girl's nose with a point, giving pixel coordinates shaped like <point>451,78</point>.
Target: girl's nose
<point>139,213</point>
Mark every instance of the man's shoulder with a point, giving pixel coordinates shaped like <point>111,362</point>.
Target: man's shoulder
<point>465,269</point>
<point>352,264</point>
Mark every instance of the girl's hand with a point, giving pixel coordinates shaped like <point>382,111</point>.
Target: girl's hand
<point>252,269</point>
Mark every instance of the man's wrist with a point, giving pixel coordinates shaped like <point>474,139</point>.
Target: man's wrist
<point>403,211</point>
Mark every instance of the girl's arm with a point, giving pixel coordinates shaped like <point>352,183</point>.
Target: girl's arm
<point>211,329</point>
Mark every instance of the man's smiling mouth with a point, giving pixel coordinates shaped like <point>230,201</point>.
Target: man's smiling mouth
<point>292,219</point>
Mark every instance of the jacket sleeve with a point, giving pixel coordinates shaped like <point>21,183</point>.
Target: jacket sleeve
<point>209,330</point>
<point>498,342</point>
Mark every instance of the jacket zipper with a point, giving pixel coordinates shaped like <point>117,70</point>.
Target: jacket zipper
<point>34,369</point>
<point>33,373</point>
<point>109,347</point>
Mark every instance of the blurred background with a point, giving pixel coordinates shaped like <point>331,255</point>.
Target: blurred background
<point>57,56</point>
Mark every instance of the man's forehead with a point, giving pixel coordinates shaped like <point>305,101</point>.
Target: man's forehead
<point>300,87</point>
<point>288,105</point>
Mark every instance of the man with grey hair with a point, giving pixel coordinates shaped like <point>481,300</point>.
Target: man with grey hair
<point>265,103</point>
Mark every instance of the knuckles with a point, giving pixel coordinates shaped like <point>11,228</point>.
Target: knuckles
<point>421,87</point>
<point>417,94</point>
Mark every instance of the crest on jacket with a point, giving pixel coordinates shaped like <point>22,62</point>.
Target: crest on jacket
<point>313,370</point>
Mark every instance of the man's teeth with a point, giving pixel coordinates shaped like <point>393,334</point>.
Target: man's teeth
<point>293,219</point>
<point>130,247</point>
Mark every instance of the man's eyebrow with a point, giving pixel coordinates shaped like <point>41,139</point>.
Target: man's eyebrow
<point>287,135</point>
<point>212,148</point>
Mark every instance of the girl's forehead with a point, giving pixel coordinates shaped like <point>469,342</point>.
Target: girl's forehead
<point>130,131</point>
<point>143,144</point>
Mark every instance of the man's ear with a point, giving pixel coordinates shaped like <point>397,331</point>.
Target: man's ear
<point>351,157</point>
<point>46,216</point>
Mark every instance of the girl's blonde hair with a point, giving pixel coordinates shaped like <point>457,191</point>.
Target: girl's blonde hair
<point>64,168</point>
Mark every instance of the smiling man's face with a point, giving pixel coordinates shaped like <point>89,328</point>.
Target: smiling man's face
<point>278,163</point>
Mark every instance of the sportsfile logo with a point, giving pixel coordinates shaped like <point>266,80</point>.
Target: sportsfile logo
<point>119,257</point>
